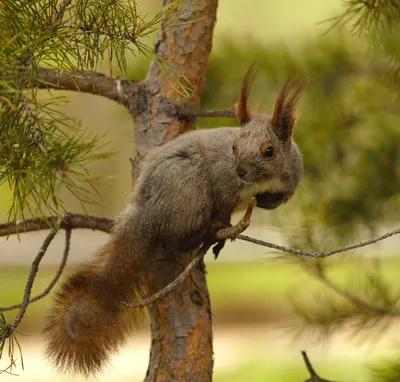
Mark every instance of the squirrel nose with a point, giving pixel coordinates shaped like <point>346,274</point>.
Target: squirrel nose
<point>241,171</point>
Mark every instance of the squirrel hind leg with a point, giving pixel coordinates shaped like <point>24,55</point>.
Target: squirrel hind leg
<point>85,326</point>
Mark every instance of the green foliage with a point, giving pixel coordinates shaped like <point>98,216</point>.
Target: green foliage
<point>42,149</point>
<point>367,15</point>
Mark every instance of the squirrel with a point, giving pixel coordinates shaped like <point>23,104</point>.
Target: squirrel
<point>183,188</point>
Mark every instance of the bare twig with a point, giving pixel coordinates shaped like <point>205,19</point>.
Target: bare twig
<point>187,113</point>
<point>55,278</point>
<point>31,279</point>
<point>320,254</point>
<point>73,221</point>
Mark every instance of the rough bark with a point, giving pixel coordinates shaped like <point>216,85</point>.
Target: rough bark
<point>181,348</point>
<point>186,49</point>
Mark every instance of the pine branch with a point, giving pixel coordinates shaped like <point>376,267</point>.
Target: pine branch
<point>116,89</point>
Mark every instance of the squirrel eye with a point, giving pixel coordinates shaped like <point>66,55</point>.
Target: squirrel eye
<point>233,148</point>
<point>267,150</point>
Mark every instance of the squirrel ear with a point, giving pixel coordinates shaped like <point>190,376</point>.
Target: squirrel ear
<point>283,118</point>
<point>242,111</point>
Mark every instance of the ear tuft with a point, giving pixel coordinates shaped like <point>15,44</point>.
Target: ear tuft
<point>243,114</point>
<point>283,118</point>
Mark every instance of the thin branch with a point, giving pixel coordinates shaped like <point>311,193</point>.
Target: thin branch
<point>72,221</point>
<point>31,279</point>
<point>320,254</point>
<point>116,89</point>
<point>188,113</point>
<point>55,278</point>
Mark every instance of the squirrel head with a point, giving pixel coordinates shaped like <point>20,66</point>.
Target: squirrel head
<point>268,160</point>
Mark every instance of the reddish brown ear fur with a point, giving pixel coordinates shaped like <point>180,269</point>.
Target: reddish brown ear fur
<point>283,118</point>
<point>243,114</point>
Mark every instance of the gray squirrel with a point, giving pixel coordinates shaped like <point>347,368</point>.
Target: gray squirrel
<point>185,189</point>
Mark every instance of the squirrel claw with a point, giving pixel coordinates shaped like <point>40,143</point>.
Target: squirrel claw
<point>217,248</point>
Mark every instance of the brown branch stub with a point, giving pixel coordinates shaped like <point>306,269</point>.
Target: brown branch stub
<point>117,89</point>
<point>73,221</point>
<point>314,377</point>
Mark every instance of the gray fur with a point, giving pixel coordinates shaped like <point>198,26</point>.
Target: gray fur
<point>191,182</point>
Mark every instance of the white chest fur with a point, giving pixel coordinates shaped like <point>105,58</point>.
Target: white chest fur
<point>271,185</point>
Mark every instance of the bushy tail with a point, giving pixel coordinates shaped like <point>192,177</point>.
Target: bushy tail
<point>89,319</point>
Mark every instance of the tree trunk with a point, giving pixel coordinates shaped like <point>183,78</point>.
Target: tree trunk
<point>181,348</point>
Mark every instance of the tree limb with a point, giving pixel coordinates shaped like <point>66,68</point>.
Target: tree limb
<point>71,221</point>
<point>114,88</point>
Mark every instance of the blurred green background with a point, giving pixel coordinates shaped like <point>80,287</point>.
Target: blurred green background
<point>349,133</point>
